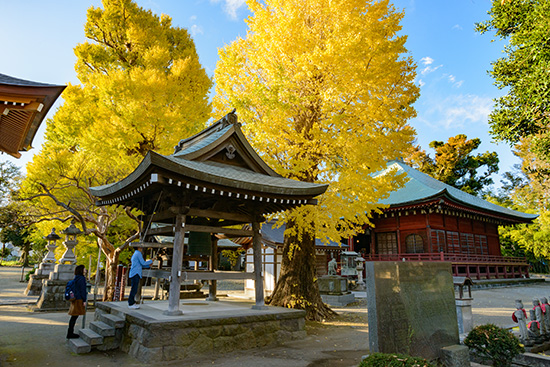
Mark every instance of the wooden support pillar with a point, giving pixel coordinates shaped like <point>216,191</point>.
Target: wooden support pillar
<point>258,278</point>
<point>177,259</point>
<point>213,265</point>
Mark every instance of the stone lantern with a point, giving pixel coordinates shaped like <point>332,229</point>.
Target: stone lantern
<point>70,242</point>
<point>52,296</point>
<point>47,266</point>
<point>51,238</point>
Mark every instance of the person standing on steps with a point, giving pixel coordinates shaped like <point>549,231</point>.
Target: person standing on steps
<point>78,304</point>
<point>136,271</point>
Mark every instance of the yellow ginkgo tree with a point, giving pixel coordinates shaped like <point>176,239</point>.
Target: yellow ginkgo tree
<point>324,89</point>
<point>142,88</point>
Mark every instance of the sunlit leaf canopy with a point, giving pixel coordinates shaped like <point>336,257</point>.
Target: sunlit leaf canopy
<point>325,89</point>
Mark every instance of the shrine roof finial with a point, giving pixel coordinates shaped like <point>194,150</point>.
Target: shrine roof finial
<point>230,119</point>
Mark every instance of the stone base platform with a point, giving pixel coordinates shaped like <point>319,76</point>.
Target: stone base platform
<point>204,328</point>
<point>338,300</point>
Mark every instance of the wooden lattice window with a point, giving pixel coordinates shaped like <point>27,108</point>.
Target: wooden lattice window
<point>386,243</point>
<point>481,245</point>
<point>467,243</point>
<point>415,244</point>
<point>438,240</point>
<point>453,242</point>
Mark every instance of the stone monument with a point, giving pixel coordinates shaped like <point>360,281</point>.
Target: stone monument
<point>334,288</point>
<point>34,287</point>
<point>411,310</point>
<point>52,296</point>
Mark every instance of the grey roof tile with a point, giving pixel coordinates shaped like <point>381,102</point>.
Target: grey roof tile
<point>6,79</point>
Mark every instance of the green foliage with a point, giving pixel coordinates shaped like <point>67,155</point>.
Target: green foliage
<point>455,165</point>
<point>14,230</point>
<point>10,177</point>
<point>393,360</point>
<point>28,274</point>
<point>492,343</point>
<point>524,72</point>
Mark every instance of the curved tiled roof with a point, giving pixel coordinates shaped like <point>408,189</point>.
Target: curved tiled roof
<point>422,187</point>
<point>218,174</point>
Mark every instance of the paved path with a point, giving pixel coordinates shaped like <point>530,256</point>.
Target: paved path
<point>38,339</point>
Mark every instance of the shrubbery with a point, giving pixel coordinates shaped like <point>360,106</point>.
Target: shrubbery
<point>393,360</point>
<point>490,342</point>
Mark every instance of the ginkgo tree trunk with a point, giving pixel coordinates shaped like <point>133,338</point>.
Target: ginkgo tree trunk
<point>324,89</point>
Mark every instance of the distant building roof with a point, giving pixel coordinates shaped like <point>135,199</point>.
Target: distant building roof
<point>275,236</point>
<point>23,106</point>
<point>421,187</point>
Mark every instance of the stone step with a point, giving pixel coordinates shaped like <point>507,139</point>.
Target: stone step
<point>79,346</point>
<point>113,320</point>
<point>102,328</point>
<point>90,336</point>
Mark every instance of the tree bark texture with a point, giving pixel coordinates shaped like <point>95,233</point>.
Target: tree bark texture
<point>297,285</point>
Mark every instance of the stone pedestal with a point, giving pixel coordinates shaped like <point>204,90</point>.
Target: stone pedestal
<point>64,272</point>
<point>334,290</point>
<point>455,356</point>
<point>464,315</point>
<point>332,284</point>
<point>52,297</point>
<point>34,287</point>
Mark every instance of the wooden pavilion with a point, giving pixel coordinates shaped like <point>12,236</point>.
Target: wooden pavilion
<point>23,106</point>
<point>213,182</point>
<point>427,220</point>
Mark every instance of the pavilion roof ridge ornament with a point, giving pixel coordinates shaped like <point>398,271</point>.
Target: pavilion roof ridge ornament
<point>229,119</point>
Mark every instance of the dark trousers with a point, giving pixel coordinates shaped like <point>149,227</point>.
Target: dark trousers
<point>72,323</point>
<point>135,285</point>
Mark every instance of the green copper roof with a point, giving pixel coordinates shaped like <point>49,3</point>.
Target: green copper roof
<point>422,187</point>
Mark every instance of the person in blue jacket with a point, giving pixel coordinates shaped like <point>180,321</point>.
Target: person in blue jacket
<point>136,273</point>
<point>78,304</point>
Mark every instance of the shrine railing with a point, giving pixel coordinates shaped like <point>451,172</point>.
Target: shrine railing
<point>454,258</point>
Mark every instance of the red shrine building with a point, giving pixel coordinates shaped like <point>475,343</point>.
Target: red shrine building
<point>427,220</point>
<point>23,106</point>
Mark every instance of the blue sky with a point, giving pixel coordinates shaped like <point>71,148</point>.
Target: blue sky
<point>456,91</point>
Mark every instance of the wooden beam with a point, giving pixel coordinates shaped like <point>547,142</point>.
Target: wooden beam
<point>227,231</point>
<point>198,275</point>
<point>219,215</point>
<point>168,230</point>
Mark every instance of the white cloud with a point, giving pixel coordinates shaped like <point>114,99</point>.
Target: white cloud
<point>457,111</point>
<point>196,29</point>
<point>426,60</point>
<point>231,6</point>
<point>429,69</point>
<point>421,83</point>
<point>452,80</point>
<point>457,27</point>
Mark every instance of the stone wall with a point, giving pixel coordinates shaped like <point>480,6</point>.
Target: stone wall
<point>150,341</point>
